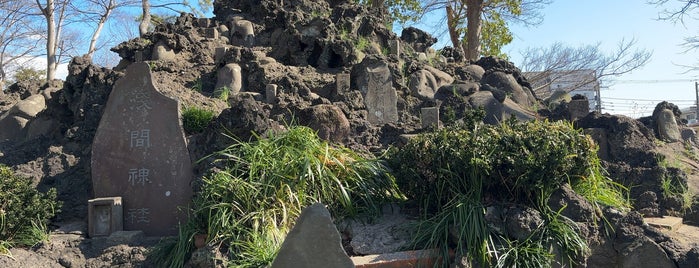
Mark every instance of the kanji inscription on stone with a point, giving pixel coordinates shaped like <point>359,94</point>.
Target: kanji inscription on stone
<point>381,98</point>
<point>139,153</point>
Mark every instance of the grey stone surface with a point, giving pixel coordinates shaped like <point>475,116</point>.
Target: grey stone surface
<point>644,252</point>
<point>11,127</point>
<point>422,84</point>
<point>162,52</point>
<point>211,33</point>
<point>507,82</point>
<point>386,234</point>
<point>688,134</point>
<point>667,127</point>
<point>139,153</point>
<point>220,53</point>
<point>429,116</point>
<point>441,77</point>
<point>328,120</point>
<point>476,71</point>
<point>14,123</point>
<point>578,108</point>
<point>230,76</point>
<point>105,216</point>
<point>242,33</point>
<point>271,93</point>
<point>29,107</point>
<point>313,242</point>
<point>493,108</point>
<point>381,98</point>
<point>394,46</point>
<point>342,83</point>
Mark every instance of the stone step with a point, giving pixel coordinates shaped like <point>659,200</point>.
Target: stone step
<point>665,222</point>
<point>415,258</point>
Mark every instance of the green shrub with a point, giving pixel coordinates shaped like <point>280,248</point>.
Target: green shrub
<point>251,203</point>
<point>452,172</point>
<point>24,211</point>
<point>195,120</point>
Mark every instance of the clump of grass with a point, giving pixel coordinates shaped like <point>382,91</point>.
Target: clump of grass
<point>24,211</point>
<point>250,204</point>
<point>454,172</point>
<point>362,43</point>
<point>222,93</point>
<point>195,120</point>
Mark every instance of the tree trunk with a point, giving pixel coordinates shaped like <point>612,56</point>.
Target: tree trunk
<point>474,8</point>
<point>103,19</point>
<point>452,25</point>
<point>145,20</point>
<point>51,38</point>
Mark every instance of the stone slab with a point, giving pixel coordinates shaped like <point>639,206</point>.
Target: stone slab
<point>429,116</point>
<point>271,93</point>
<point>416,258</point>
<point>342,83</point>
<point>381,98</point>
<point>314,242</point>
<point>139,153</point>
<point>105,216</point>
<point>578,108</point>
<point>665,222</point>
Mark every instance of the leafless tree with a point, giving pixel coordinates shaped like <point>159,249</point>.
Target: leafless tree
<point>684,10</point>
<point>18,38</point>
<point>546,66</point>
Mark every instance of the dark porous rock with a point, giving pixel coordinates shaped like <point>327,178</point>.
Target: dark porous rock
<point>644,253</point>
<point>452,54</point>
<point>577,208</point>
<point>690,259</point>
<point>629,140</point>
<point>418,39</point>
<point>328,120</point>
<point>647,204</point>
<point>520,222</point>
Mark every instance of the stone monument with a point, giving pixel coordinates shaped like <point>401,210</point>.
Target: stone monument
<point>381,98</point>
<point>139,153</point>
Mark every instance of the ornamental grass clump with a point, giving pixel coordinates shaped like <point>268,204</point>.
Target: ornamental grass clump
<point>454,174</point>
<point>24,211</point>
<point>249,205</point>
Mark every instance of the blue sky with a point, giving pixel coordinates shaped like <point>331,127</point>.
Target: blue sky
<point>589,22</point>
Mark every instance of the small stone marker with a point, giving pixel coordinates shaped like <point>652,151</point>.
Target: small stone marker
<point>138,56</point>
<point>429,117</point>
<point>105,216</point>
<point>394,46</point>
<point>342,83</point>
<point>139,153</point>
<point>220,53</point>
<point>578,108</point>
<point>230,76</point>
<point>381,98</point>
<point>203,22</point>
<point>211,33</point>
<point>313,242</point>
<point>271,93</point>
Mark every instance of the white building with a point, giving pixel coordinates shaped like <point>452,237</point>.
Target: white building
<point>575,82</point>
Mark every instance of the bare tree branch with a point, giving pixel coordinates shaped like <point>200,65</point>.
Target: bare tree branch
<point>546,66</point>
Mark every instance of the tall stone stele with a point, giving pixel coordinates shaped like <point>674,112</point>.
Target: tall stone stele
<point>139,153</point>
